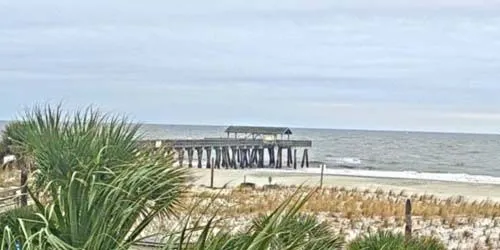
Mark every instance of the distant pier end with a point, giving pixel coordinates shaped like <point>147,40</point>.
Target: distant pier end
<point>244,147</point>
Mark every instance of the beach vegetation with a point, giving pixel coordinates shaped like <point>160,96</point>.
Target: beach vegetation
<point>394,241</point>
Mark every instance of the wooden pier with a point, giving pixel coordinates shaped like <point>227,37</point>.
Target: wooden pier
<point>244,147</point>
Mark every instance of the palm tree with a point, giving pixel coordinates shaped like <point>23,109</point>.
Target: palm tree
<point>103,187</point>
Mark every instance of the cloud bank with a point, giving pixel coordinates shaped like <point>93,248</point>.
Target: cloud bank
<point>426,65</point>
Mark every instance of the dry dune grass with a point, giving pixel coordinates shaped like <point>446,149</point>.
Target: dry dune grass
<point>459,223</point>
<point>9,178</point>
<point>341,202</point>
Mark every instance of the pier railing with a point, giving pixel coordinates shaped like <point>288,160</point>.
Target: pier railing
<point>227,142</point>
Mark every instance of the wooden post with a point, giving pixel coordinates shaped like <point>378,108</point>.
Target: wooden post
<point>303,158</point>
<point>238,155</point>
<point>278,165</point>
<point>249,157</point>
<point>233,157</point>
<point>212,173</point>
<point>295,158</point>
<point>271,156</point>
<point>180,156</point>
<point>190,157</point>
<point>251,152</point>
<point>24,186</point>
<point>228,158</point>
<point>289,157</point>
<point>408,226</point>
<point>322,171</point>
<point>200,156</point>
<point>224,160</point>
<point>217,157</point>
<point>261,157</point>
<point>242,157</point>
<point>256,157</point>
<point>307,157</point>
<point>209,156</point>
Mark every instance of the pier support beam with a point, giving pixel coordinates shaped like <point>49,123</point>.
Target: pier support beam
<point>209,155</point>
<point>199,150</point>
<point>233,157</point>
<point>305,159</point>
<point>249,157</point>
<point>243,157</point>
<point>261,157</point>
<point>256,157</point>
<point>225,157</point>
<point>180,156</point>
<point>224,161</point>
<point>289,157</point>
<point>294,158</point>
<point>217,157</point>
<point>279,163</point>
<point>253,154</point>
<point>238,155</point>
<point>190,157</point>
<point>271,157</point>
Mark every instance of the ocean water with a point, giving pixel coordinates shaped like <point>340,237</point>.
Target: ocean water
<point>421,155</point>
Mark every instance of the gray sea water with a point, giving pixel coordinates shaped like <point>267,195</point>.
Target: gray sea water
<point>474,154</point>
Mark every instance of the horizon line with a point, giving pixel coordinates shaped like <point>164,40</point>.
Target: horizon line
<point>331,128</point>
<point>315,128</point>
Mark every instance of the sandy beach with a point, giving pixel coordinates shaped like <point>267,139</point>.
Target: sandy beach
<point>444,189</point>
<point>462,215</point>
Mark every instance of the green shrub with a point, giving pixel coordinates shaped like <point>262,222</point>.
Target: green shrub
<point>394,241</point>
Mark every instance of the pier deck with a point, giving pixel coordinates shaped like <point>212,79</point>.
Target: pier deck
<point>245,149</point>
<point>226,142</point>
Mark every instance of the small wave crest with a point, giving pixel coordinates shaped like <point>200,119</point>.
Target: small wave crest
<point>411,175</point>
<point>345,163</point>
<point>349,161</point>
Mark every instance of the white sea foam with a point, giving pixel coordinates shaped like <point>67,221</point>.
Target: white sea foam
<point>465,178</point>
<point>348,161</point>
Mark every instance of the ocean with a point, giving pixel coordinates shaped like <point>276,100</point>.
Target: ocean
<point>420,155</point>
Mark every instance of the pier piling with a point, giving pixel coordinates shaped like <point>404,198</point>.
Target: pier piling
<point>199,150</point>
<point>209,156</point>
<point>295,159</point>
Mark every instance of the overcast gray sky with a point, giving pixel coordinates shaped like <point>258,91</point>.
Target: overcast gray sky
<point>405,65</point>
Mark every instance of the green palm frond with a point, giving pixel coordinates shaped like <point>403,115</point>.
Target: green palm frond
<point>104,190</point>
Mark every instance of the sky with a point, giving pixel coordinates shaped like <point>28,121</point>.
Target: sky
<point>428,65</point>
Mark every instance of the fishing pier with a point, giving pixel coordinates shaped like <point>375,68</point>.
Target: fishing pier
<point>244,147</point>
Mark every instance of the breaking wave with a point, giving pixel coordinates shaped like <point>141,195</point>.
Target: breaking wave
<point>450,177</point>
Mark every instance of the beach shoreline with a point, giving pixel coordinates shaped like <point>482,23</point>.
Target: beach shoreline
<point>443,189</point>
